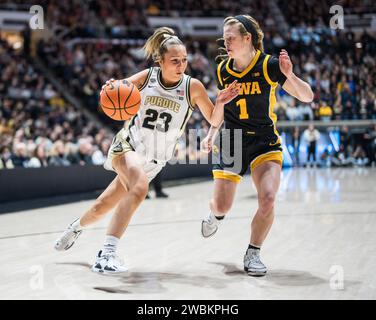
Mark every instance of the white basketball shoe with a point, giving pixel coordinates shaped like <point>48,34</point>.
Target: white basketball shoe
<point>252,263</point>
<point>68,238</point>
<point>108,263</point>
<point>209,225</point>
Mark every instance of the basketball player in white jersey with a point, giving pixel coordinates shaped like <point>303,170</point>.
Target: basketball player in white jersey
<point>145,144</point>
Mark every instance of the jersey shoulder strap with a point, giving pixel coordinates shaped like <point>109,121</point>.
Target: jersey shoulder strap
<point>151,71</point>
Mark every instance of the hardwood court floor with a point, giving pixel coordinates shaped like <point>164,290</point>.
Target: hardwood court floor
<point>324,232</point>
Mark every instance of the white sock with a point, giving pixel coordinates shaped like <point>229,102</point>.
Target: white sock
<point>76,225</point>
<point>110,244</point>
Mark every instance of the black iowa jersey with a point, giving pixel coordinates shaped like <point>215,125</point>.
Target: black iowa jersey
<point>252,110</point>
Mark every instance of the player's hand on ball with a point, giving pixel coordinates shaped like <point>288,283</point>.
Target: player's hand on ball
<point>107,83</point>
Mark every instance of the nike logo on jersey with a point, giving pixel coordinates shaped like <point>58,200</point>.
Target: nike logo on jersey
<point>273,144</point>
<point>224,79</point>
<point>118,148</point>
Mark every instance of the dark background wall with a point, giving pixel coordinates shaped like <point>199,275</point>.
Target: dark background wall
<point>22,184</point>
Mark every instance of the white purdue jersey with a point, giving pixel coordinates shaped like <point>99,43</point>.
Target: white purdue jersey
<point>164,112</point>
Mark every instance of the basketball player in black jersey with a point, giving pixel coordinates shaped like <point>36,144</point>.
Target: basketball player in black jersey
<point>251,113</point>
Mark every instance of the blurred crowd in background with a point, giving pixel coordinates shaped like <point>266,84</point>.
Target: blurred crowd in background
<point>38,127</point>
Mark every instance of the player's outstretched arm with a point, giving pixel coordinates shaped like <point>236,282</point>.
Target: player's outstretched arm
<point>137,79</point>
<point>213,114</point>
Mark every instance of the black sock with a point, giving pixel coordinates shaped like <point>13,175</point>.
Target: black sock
<point>253,247</point>
<point>219,217</point>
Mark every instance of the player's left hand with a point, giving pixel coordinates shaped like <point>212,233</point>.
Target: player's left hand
<point>285,63</point>
<point>226,95</point>
<point>107,83</point>
<point>206,144</point>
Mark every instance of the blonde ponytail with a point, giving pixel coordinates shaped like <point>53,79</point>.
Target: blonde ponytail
<point>159,42</point>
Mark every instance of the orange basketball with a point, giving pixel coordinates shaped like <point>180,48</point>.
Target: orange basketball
<point>120,100</point>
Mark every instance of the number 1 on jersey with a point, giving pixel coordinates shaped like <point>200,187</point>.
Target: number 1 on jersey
<point>242,103</point>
